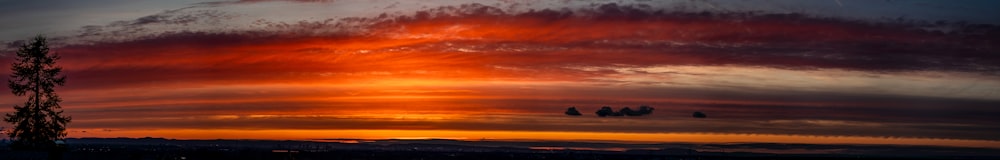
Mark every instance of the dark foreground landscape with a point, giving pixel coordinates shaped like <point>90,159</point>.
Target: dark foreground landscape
<point>438,149</point>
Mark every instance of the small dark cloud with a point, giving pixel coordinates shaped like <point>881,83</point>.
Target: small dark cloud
<point>626,111</point>
<point>156,18</point>
<point>167,16</point>
<point>14,44</point>
<point>10,47</point>
<point>572,111</point>
<point>699,115</point>
<point>643,110</point>
<point>91,30</point>
<point>606,111</point>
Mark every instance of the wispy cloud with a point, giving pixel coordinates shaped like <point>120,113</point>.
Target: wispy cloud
<point>216,3</point>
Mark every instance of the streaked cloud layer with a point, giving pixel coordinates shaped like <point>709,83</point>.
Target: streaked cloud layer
<point>503,66</point>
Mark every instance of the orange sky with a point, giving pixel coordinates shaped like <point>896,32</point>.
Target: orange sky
<point>480,71</point>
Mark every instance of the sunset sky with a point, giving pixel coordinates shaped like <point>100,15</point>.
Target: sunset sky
<point>823,71</point>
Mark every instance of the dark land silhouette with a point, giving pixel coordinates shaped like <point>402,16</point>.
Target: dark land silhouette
<point>442,149</point>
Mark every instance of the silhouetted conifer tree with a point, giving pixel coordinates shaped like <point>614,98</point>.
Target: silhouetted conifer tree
<point>39,122</point>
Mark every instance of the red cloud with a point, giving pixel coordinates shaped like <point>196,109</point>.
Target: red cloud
<point>475,43</point>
